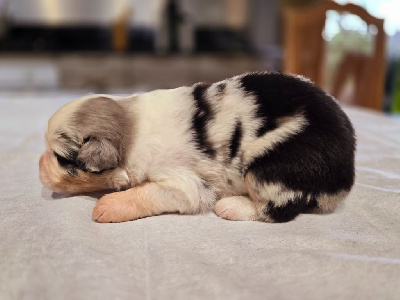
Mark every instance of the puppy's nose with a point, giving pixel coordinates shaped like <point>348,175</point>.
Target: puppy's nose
<point>43,170</point>
<point>41,161</point>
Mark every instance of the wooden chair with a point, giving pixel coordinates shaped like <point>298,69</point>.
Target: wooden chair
<point>304,50</point>
<point>120,32</point>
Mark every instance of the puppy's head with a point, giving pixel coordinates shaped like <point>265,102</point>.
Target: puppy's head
<point>85,147</point>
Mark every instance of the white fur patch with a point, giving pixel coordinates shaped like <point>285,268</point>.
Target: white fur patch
<point>239,208</point>
<point>277,193</point>
<point>287,126</point>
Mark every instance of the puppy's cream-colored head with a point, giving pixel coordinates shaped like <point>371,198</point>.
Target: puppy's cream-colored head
<point>86,142</point>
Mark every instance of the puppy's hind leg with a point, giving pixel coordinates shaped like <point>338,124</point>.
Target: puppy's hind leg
<point>267,202</point>
<point>276,203</point>
<point>236,208</point>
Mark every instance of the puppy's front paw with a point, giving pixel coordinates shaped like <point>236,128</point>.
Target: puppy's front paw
<point>237,208</point>
<point>114,208</point>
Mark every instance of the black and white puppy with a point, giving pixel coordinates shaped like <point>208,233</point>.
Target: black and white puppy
<point>259,146</point>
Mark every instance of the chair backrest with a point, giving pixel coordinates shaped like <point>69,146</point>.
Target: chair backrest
<point>304,49</point>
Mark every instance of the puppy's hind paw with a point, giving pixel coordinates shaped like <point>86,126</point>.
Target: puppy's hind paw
<point>237,208</point>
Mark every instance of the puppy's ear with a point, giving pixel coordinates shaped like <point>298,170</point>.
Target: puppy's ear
<point>97,155</point>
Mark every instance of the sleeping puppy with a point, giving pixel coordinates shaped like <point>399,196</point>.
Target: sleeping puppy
<point>259,146</point>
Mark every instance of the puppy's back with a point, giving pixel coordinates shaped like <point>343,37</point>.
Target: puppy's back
<point>307,157</point>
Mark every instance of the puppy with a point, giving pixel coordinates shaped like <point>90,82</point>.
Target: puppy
<point>259,146</point>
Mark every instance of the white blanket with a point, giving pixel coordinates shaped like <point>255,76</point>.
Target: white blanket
<point>51,249</point>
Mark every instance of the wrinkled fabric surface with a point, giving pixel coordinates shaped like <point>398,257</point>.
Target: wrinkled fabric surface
<point>51,249</point>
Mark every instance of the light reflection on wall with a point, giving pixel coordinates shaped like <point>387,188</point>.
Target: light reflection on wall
<point>386,9</point>
<point>51,9</point>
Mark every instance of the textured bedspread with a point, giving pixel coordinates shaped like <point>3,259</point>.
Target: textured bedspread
<point>50,248</point>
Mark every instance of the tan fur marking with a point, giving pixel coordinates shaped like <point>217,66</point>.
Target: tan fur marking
<point>56,179</point>
<point>328,203</point>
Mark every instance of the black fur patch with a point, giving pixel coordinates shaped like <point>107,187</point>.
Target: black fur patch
<point>70,165</point>
<point>290,210</point>
<point>320,159</point>
<point>268,125</point>
<point>235,141</point>
<point>62,161</point>
<point>277,95</point>
<point>201,117</point>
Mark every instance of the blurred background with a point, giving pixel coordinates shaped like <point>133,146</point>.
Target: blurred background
<point>73,47</point>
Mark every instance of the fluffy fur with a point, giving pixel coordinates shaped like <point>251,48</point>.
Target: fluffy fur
<point>266,146</point>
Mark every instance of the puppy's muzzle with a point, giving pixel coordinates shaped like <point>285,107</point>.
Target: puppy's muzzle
<point>43,170</point>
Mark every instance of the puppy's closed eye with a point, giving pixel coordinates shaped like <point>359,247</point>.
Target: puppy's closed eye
<point>63,162</point>
<point>68,164</point>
